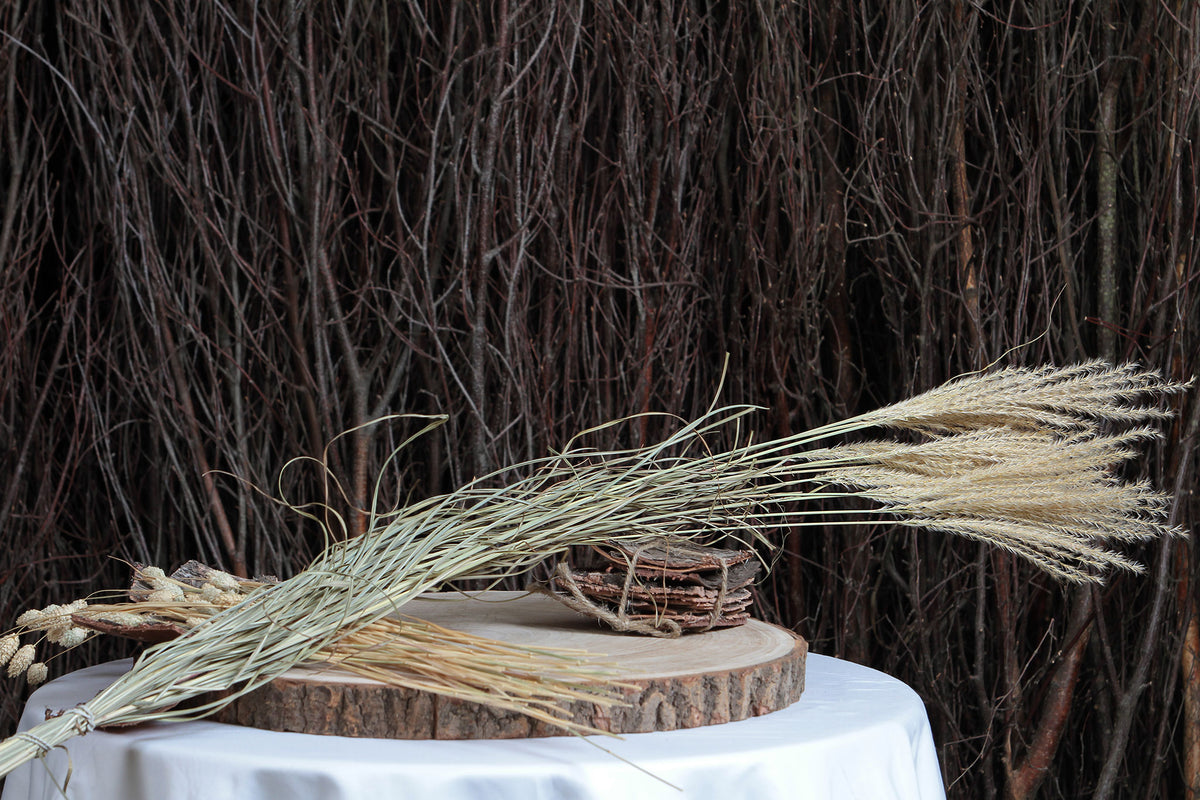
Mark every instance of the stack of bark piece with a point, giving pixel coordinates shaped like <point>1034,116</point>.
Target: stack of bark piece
<point>661,586</point>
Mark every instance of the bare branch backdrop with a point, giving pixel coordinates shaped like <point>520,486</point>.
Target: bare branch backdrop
<point>229,235</point>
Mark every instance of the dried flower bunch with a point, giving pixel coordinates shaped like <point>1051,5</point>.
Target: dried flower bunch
<point>55,622</point>
<point>1024,459</point>
<point>162,607</point>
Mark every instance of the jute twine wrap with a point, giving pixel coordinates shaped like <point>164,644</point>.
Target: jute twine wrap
<point>619,620</point>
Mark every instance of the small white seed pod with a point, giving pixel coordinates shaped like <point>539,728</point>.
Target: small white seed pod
<point>8,648</point>
<point>36,673</point>
<point>55,633</point>
<point>74,637</point>
<point>21,660</point>
<point>163,596</point>
<point>229,598</point>
<point>223,581</point>
<point>54,616</point>
<point>149,574</point>
<point>30,618</point>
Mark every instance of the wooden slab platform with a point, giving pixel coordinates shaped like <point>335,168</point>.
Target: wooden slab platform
<point>697,679</point>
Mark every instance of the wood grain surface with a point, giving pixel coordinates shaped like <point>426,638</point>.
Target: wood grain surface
<point>697,679</point>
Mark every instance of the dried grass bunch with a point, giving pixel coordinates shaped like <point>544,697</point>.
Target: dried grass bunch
<point>1025,459</point>
<point>398,650</point>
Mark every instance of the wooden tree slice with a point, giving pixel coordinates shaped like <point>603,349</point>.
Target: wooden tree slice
<point>698,679</point>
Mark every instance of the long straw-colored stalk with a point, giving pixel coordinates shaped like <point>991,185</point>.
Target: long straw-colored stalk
<point>1020,458</point>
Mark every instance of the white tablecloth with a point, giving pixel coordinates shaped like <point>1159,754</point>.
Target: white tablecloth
<point>855,733</point>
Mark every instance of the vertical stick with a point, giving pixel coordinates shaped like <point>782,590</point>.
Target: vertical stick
<point>1028,775</point>
<point>1189,656</point>
<point>968,277</point>
<point>1106,192</point>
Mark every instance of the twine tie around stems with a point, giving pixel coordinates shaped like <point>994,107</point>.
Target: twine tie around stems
<point>85,720</point>
<point>43,747</point>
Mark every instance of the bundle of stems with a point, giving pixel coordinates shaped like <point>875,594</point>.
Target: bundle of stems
<point>399,650</point>
<point>1025,459</point>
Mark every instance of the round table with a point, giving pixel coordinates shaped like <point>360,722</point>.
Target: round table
<point>855,733</point>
